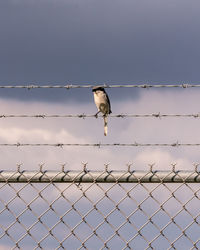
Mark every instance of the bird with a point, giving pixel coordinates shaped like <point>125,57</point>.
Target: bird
<point>102,102</point>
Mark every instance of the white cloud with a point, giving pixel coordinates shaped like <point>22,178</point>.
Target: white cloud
<point>4,247</point>
<point>61,130</point>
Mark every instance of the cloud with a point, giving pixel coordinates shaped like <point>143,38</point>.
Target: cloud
<point>92,41</point>
<point>4,247</point>
<point>124,130</point>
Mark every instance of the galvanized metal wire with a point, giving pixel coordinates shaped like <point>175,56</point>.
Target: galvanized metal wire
<point>99,144</point>
<point>105,209</point>
<point>89,176</point>
<point>75,86</point>
<point>83,116</point>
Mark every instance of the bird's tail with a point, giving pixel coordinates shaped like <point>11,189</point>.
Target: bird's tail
<point>105,124</point>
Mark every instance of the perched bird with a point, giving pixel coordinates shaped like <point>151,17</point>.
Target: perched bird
<point>102,102</point>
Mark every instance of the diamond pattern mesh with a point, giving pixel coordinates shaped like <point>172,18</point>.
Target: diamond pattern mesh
<point>99,215</point>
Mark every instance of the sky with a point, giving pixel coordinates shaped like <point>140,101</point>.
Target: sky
<point>96,42</point>
<point>65,41</point>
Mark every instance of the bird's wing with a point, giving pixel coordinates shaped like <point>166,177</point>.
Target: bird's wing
<point>108,103</point>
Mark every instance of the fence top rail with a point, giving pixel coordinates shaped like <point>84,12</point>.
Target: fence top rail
<point>111,176</point>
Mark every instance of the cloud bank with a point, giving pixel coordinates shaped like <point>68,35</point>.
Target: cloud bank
<point>90,130</point>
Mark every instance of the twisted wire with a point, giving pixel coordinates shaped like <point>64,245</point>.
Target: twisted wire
<point>135,144</point>
<point>66,189</point>
<point>74,86</point>
<point>156,115</point>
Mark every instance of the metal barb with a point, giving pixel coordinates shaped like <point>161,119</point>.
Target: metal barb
<point>19,167</point>
<point>173,166</point>
<point>85,166</point>
<point>151,167</point>
<point>129,167</point>
<point>41,167</point>
<point>158,115</point>
<point>196,167</point>
<point>106,167</point>
<point>185,86</point>
<point>63,167</point>
<point>176,144</point>
<point>68,86</point>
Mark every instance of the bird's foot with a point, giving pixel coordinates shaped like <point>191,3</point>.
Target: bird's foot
<point>96,115</point>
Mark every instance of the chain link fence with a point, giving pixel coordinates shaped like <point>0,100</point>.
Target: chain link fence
<point>100,209</point>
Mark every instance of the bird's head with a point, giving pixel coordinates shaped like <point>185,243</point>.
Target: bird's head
<point>98,88</point>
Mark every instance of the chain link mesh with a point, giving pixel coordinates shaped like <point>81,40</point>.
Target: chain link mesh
<point>100,209</point>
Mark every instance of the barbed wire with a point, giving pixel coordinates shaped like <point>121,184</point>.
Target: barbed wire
<point>130,167</point>
<point>135,144</point>
<point>155,115</point>
<point>74,86</point>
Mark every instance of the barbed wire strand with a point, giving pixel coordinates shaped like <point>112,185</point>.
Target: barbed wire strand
<point>135,144</point>
<point>74,86</point>
<point>154,115</point>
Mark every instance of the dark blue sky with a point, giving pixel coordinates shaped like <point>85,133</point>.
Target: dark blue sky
<point>130,41</point>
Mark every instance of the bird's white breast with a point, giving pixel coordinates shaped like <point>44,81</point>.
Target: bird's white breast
<point>101,101</point>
